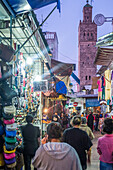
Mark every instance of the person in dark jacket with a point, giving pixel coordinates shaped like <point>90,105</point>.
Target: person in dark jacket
<point>31,135</point>
<point>90,120</point>
<point>97,121</point>
<point>78,139</point>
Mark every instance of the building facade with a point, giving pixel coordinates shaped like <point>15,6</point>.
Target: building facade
<point>87,37</point>
<point>52,41</point>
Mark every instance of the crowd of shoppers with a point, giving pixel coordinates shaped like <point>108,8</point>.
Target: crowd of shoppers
<point>54,154</point>
<point>67,143</point>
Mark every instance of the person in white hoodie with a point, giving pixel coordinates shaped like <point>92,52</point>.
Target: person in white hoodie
<point>54,154</point>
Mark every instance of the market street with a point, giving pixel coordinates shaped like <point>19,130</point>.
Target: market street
<point>94,156</point>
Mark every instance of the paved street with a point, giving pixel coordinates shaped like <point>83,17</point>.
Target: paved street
<point>94,157</point>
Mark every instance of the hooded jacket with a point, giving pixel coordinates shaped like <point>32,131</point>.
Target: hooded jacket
<point>56,156</point>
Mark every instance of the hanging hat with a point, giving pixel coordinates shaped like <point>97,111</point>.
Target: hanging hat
<point>9,155</point>
<point>10,109</point>
<point>7,122</point>
<point>11,165</point>
<point>11,127</point>
<point>10,140</point>
<point>6,151</point>
<point>8,116</point>
<point>103,102</point>
<point>10,147</point>
<point>10,133</point>
<point>10,161</point>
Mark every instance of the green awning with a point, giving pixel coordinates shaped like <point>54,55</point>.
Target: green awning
<point>106,40</point>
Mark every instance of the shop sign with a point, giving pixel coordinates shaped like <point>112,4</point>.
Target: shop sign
<point>40,86</point>
<point>75,104</point>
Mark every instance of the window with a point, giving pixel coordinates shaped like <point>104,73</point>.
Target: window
<point>86,77</point>
<point>51,49</point>
<point>92,34</point>
<point>89,77</point>
<point>87,34</point>
<point>84,34</point>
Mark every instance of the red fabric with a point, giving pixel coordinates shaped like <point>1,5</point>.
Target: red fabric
<point>24,82</point>
<point>104,82</point>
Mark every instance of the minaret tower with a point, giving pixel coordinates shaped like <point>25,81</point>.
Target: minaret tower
<point>87,37</point>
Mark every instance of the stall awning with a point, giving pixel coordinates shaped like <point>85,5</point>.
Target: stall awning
<point>102,70</point>
<point>75,78</point>
<point>61,69</point>
<point>23,6</point>
<point>106,40</point>
<point>61,87</point>
<point>104,56</point>
<point>92,102</point>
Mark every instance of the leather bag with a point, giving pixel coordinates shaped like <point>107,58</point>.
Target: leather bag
<point>6,52</point>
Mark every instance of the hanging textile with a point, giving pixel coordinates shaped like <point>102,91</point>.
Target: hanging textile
<point>103,81</point>
<point>94,82</point>
<point>108,85</point>
<point>112,88</point>
<point>99,90</point>
<point>103,87</point>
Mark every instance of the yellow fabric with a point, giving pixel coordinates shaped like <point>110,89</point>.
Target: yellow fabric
<point>2,163</point>
<point>107,84</point>
<point>65,79</point>
<point>6,151</point>
<point>99,95</point>
<point>11,165</point>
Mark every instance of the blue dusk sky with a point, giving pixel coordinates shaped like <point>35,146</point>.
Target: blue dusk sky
<point>66,24</point>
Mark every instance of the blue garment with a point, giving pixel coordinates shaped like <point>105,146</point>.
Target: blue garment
<point>106,166</point>
<point>102,81</point>
<point>103,108</point>
<point>112,75</point>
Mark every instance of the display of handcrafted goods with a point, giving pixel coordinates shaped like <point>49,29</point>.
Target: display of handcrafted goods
<point>10,136</point>
<point>21,87</point>
<point>2,163</point>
